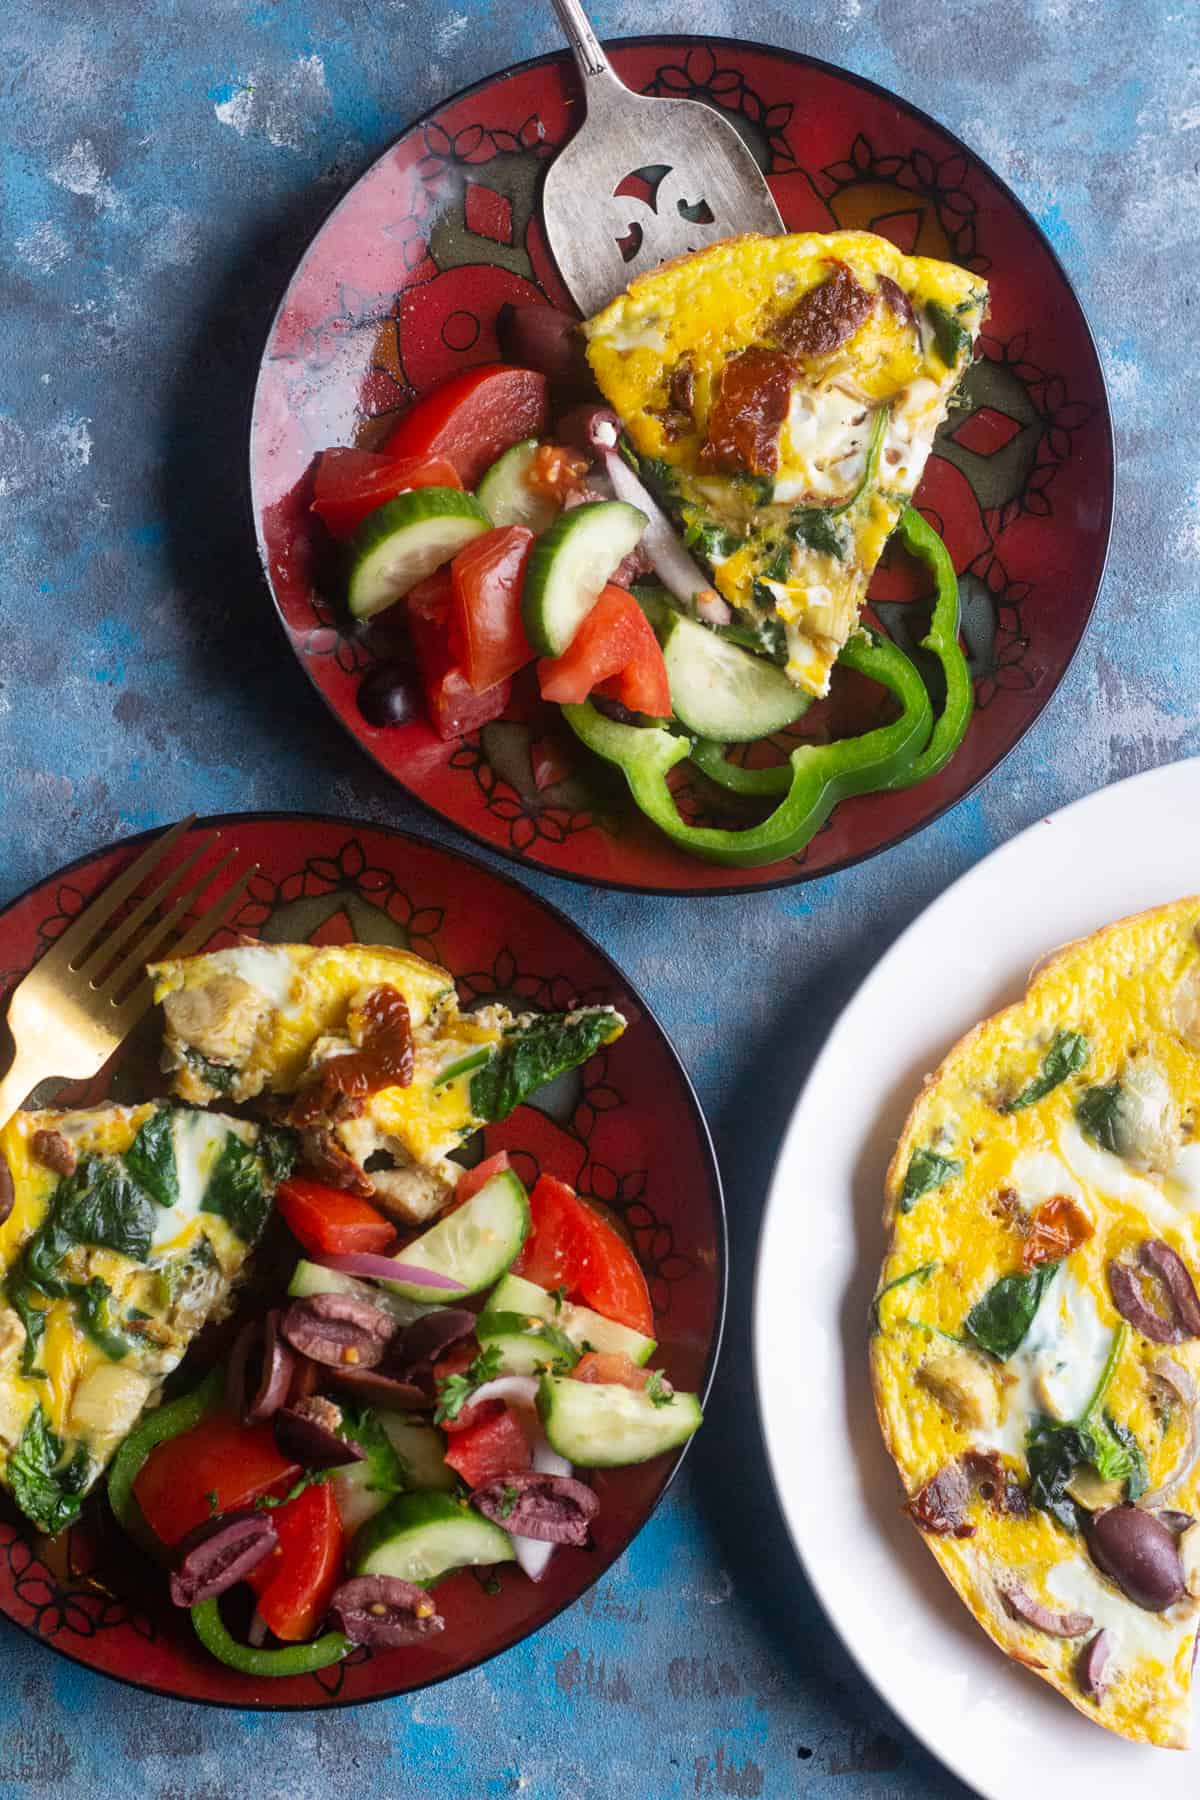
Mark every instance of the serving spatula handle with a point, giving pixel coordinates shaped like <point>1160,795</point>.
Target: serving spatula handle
<point>586,47</point>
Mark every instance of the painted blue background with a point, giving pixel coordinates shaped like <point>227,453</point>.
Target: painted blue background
<point>163,162</point>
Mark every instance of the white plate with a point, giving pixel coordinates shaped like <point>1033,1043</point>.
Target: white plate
<point>1131,846</point>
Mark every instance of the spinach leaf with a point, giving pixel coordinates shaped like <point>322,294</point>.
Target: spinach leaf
<point>920,1274</point>
<point>279,1148</point>
<point>926,1170</point>
<point>713,542</point>
<point>237,1190</point>
<point>1099,1114</point>
<point>1056,1448</point>
<point>1067,1055</point>
<point>760,488</point>
<point>150,1158</point>
<point>658,472</point>
<point>46,1493</point>
<point>99,1204</point>
<point>1131,1467</point>
<point>999,1321</point>
<point>819,529</point>
<point>218,1076</point>
<point>529,1056</point>
<point>780,565</point>
<point>33,1318</point>
<point>1053,1452</point>
<point>948,334</point>
<point>92,1306</point>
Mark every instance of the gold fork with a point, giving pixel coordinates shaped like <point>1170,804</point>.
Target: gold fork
<point>89,990</point>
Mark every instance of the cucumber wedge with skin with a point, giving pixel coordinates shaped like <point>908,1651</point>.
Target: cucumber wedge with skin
<point>523,1352</point>
<point>406,539</point>
<point>599,1425</point>
<point>722,692</point>
<point>310,1278</point>
<point>473,1245</point>
<point>570,564</point>
<point>506,496</point>
<point>418,1537</point>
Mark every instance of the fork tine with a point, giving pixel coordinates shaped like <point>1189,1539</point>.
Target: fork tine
<point>95,917</point>
<point>106,949</point>
<point>132,1008</point>
<point>144,949</point>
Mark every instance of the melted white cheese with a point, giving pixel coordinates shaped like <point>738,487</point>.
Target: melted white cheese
<point>198,1139</point>
<point>1109,1175</point>
<point>1183,1182</point>
<point>1133,1632</point>
<point>908,439</point>
<point>823,445</point>
<point>1056,1368</point>
<point>266,967</point>
<point>1039,1175</point>
<point>639,334</point>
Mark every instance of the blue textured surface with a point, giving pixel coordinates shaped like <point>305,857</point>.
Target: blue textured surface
<point>163,163</point>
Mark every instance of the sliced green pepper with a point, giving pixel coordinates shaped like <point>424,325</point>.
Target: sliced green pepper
<point>817,775</point>
<point>922,541</point>
<point>154,1428</point>
<point>295,1659</point>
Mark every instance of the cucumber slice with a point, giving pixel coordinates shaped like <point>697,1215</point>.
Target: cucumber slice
<point>596,1425</point>
<point>474,1245</point>
<point>406,539</point>
<point>525,1352</point>
<point>724,693</point>
<point>363,1489</point>
<point>422,1450</point>
<point>310,1278</point>
<point>507,498</point>
<point>570,564</point>
<point>418,1537</point>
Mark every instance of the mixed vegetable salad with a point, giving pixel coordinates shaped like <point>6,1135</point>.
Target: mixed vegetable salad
<point>508,514</point>
<point>402,1413</point>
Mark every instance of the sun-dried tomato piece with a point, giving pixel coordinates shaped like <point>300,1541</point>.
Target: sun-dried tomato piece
<point>1059,1226</point>
<point>752,401</point>
<point>823,319</point>
<point>384,1059</point>
<point>940,1506</point>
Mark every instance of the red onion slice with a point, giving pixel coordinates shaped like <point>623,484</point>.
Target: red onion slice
<point>388,1268</point>
<point>521,1390</point>
<point>1021,1605</point>
<point>676,569</point>
<point>1176,1378</point>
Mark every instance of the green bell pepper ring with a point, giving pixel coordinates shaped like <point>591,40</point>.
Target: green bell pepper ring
<point>294,1659</point>
<point>818,775</point>
<point>922,541</point>
<point>168,1421</point>
<point>867,654</point>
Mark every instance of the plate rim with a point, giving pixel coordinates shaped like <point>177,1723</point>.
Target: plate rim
<point>1160,772</point>
<point>694,40</point>
<point>717,1190</point>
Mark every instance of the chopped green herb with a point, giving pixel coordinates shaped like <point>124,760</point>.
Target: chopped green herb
<point>310,1478</point>
<point>926,1170</point>
<point>508,1500</point>
<point>455,1390</point>
<point>658,1390</point>
<point>559,1296</point>
<point>1067,1055</point>
<point>213,1500</point>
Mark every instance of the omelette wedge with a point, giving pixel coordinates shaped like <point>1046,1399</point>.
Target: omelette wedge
<point>128,1228</point>
<point>1035,1348</point>
<point>782,395</point>
<point>283,1019</point>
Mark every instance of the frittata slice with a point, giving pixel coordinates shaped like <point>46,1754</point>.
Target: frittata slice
<point>1036,1345</point>
<point>127,1230</point>
<point>782,395</point>
<point>298,1021</point>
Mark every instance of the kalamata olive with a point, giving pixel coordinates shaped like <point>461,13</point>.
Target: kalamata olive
<point>1132,1305</point>
<point>554,1509</point>
<point>308,1433</point>
<point>259,1376</point>
<point>219,1553</point>
<point>7,1194</point>
<point>380,1389</point>
<point>545,339</point>
<point>383,1611</point>
<point>1175,1276</point>
<point>306,1379</point>
<point>1089,1669</point>
<point>339,1330</point>
<point>592,429</point>
<point>427,1337</point>
<point>1138,1552</point>
<point>390,694</point>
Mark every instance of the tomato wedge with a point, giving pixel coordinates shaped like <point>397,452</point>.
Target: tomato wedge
<point>471,1180</point>
<point>351,483</point>
<point>487,635</point>
<point>473,418</point>
<point>614,652</point>
<point>571,1246</point>
<point>497,1445</point>
<point>453,705</point>
<point>330,1222</point>
<point>296,1582</point>
<point>612,1367</point>
<point>216,1467</point>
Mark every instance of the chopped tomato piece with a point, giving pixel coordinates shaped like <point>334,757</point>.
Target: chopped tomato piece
<point>471,1180</point>
<point>472,1414</point>
<point>615,652</point>
<point>352,483</point>
<point>473,418</point>
<point>296,1582</point>
<point>550,762</point>
<point>612,1367</point>
<point>216,1467</point>
<point>487,635</point>
<point>1059,1226</point>
<point>556,472</point>
<point>494,1446</point>
<point>330,1222</point>
<point>571,1246</point>
<point>454,706</point>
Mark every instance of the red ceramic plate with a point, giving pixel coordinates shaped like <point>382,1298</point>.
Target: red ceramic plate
<point>401,287</point>
<point>626,1130</point>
